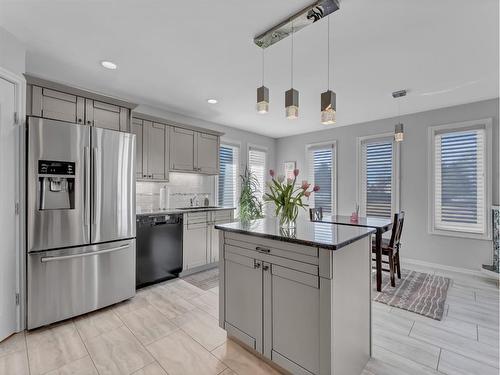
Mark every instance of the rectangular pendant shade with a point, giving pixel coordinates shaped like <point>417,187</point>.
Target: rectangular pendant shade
<point>262,99</point>
<point>292,104</point>
<point>328,107</point>
<point>398,132</point>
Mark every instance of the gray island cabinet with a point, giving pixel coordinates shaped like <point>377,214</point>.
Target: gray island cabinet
<point>299,298</point>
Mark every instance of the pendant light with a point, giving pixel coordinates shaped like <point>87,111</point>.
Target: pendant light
<point>262,93</point>
<point>292,95</point>
<point>398,128</point>
<point>328,98</point>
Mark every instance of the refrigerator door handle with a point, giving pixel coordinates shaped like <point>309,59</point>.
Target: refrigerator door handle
<point>86,186</point>
<point>64,257</point>
<point>96,168</point>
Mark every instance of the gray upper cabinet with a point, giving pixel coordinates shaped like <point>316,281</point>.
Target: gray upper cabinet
<point>107,116</point>
<point>56,101</point>
<point>138,130</point>
<point>182,149</point>
<point>192,151</point>
<point>57,105</point>
<point>152,149</point>
<point>208,153</point>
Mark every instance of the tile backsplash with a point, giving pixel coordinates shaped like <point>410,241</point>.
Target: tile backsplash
<point>181,188</point>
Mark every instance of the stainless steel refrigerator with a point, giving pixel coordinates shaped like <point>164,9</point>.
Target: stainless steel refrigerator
<point>80,219</point>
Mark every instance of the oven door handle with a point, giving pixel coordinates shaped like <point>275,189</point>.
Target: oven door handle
<point>64,257</point>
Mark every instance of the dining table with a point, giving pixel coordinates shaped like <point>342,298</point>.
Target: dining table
<point>381,225</point>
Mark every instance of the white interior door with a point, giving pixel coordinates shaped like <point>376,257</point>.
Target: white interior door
<point>8,219</point>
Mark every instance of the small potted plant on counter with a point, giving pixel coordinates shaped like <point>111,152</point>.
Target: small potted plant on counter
<point>287,197</point>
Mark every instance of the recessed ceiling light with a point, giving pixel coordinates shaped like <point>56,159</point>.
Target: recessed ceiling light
<point>109,65</point>
<point>212,101</point>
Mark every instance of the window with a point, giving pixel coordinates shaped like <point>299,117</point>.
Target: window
<point>460,175</point>
<point>229,175</point>
<point>257,165</point>
<point>322,172</point>
<point>378,193</point>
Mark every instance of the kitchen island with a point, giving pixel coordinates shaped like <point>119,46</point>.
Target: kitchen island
<point>300,298</point>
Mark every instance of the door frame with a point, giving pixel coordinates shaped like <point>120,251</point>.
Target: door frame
<point>19,83</point>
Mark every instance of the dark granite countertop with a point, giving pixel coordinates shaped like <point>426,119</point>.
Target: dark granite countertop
<point>324,235</point>
<point>181,210</point>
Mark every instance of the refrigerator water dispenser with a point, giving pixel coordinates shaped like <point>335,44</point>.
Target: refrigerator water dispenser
<point>56,180</point>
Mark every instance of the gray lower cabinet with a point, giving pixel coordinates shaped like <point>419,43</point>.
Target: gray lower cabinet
<point>304,308</point>
<point>194,245</point>
<point>152,150</point>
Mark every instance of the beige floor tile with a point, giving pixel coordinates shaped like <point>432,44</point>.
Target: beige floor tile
<point>180,354</point>
<point>470,348</point>
<point>408,347</point>
<point>183,288</point>
<point>202,327</point>
<point>97,323</point>
<point>474,315</point>
<point>241,360</point>
<point>137,302</point>
<point>14,363</point>
<point>151,369</point>
<point>385,362</point>
<point>214,290</point>
<point>148,324</point>
<point>83,366</point>
<point>228,371</point>
<point>388,321</point>
<point>456,364</point>
<point>53,347</point>
<point>13,344</point>
<point>208,302</point>
<point>170,305</point>
<point>118,352</point>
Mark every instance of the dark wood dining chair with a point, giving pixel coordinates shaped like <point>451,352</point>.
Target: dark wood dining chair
<point>316,214</point>
<point>390,248</point>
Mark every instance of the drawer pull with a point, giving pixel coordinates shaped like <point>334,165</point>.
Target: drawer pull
<point>256,264</point>
<point>263,249</point>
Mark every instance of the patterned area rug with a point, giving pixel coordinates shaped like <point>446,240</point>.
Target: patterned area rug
<point>417,292</point>
<point>204,280</point>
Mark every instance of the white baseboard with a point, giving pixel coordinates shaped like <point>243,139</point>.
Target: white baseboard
<point>465,271</point>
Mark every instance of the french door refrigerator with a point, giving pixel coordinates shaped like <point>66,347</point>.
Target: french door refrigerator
<point>80,219</point>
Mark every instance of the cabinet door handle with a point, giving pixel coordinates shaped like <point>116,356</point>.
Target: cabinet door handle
<point>79,120</point>
<point>265,268</point>
<point>256,264</point>
<point>89,122</point>
<point>263,249</point>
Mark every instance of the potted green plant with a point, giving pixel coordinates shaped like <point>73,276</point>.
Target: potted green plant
<point>250,204</point>
<point>287,197</point>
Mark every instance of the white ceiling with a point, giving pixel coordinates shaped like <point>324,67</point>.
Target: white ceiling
<point>176,54</point>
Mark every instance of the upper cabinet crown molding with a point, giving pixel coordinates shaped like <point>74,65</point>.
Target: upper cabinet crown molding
<point>57,86</point>
<point>160,120</point>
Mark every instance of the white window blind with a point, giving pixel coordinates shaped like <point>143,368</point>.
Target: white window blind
<point>459,180</point>
<point>257,165</point>
<point>321,172</point>
<point>377,177</point>
<point>229,175</point>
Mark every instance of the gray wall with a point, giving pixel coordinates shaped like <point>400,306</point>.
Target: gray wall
<point>418,244</point>
<point>242,137</point>
<point>12,53</point>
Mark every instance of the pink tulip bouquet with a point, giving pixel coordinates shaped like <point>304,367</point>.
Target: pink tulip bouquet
<point>287,197</point>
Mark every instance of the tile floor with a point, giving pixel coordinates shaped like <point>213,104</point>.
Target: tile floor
<point>172,329</point>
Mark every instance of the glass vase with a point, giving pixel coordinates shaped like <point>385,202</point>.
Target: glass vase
<point>288,216</point>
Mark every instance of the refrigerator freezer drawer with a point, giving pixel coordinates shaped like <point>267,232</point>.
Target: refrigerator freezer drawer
<point>69,282</point>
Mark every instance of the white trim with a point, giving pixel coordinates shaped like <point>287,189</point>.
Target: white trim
<point>20,105</point>
<point>234,144</point>
<point>334,145</point>
<point>466,271</point>
<point>396,154</point>
<point>431,132</point>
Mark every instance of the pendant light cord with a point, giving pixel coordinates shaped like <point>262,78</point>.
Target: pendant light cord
<point>262,66</point>
<point>291,70</point>
<point>328,65</point>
